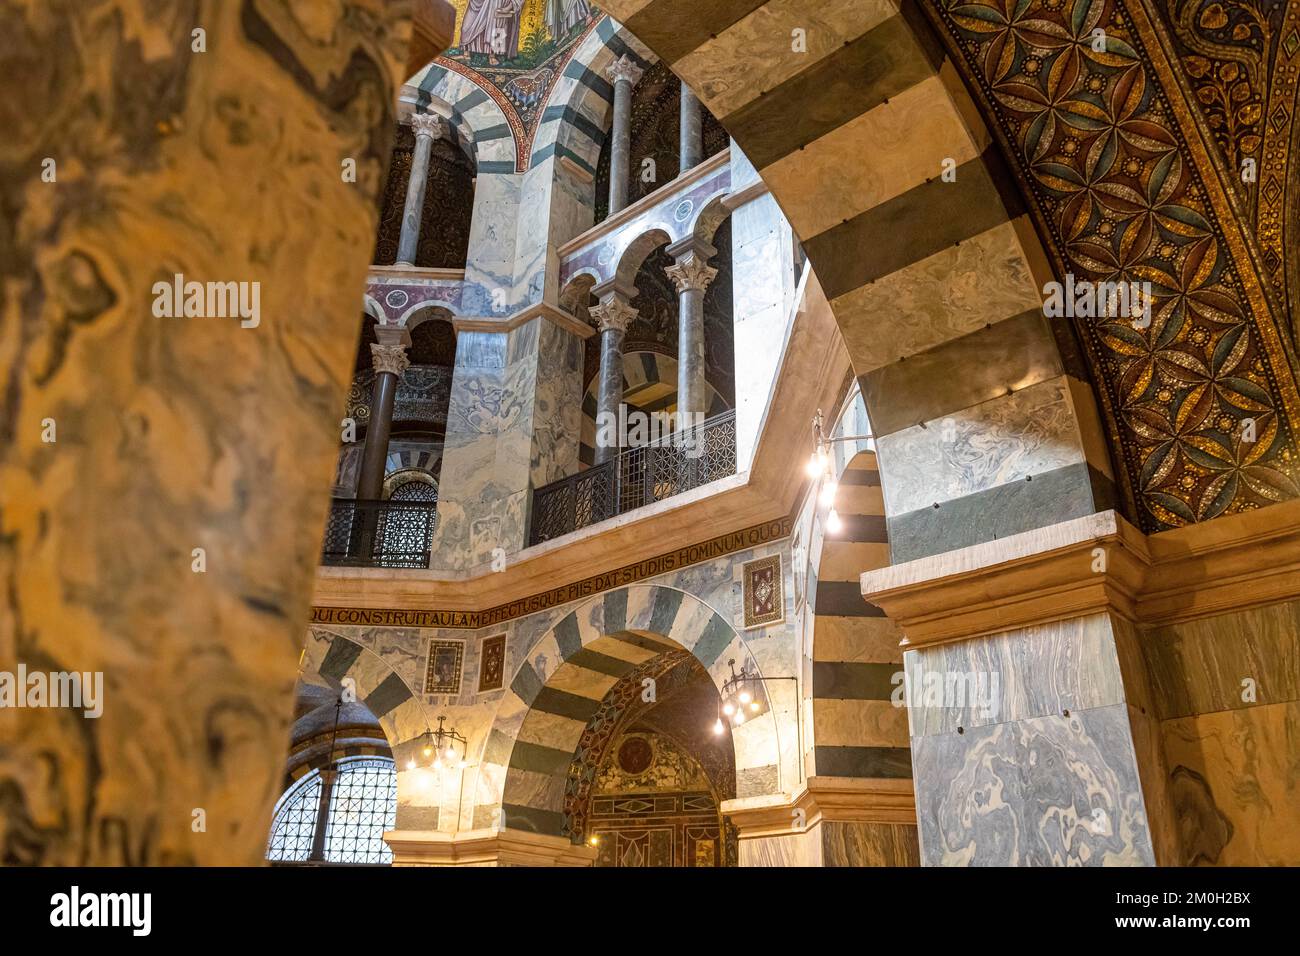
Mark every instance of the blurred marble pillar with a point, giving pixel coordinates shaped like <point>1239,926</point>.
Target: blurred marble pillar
<point>612,315</point>
<point>427,127</point>
<point>624,74</point>
<point>691,139</point>
<point>1029,700</point>
<point>388,356</point>
<point>691,274</point>
<point>200,433</point>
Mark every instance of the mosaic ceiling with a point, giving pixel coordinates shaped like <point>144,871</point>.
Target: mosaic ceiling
<point>516,49</point>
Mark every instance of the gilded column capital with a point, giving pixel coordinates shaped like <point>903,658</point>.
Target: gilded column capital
<point>624,68</point>
<point>389,358</point>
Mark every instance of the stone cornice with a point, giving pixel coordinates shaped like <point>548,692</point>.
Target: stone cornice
<point>506,323</point>
<point>1094,564</point>
<point>477,847</point>
<point>664,194</point>
<point>839,799</point>
<point>415,274</point>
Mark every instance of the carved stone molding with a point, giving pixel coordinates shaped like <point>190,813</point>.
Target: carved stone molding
<point>839,799</point>
<point>1090,565</point>
<point>485,848</point>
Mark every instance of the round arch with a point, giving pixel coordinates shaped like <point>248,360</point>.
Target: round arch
<point>567,672</point>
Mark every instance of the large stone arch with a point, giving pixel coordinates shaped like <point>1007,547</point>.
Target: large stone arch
<point>565,675</point>
<point>853,130</point>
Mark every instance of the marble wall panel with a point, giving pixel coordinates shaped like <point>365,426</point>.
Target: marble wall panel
<point>1235,780</point>
<point>868,844</point>
<point>1030,432</point>
<point>1033,672</point>
<point>1045,791</point>
<point>1229,662</point>
<point>948,294</point>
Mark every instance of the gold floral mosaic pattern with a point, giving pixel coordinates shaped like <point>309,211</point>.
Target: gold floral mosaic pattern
<point>1196,396</point>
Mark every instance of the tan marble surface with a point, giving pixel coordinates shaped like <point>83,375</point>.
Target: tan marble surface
<point>171,433</point>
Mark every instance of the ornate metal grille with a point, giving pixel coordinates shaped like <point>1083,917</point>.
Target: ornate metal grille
<point>637,477</point>
<point>363,804</point>
<point>380,534</point>
<point>294,823</point>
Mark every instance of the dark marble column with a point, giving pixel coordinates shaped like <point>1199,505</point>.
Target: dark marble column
<point>427,128</point>
<point>623,73</point>
<point>691,274</point>
<point>612,315</point>
<point>390,361</point>
<point>691,143</point>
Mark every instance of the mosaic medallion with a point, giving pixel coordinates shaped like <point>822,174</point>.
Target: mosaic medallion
<point>764,598</point>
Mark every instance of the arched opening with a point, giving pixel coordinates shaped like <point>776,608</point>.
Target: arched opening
<point>655,127</point>
<point>340,795</point>
<point>447,209</point>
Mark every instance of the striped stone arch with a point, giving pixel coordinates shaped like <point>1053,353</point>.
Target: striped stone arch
<point>978,409</point>
<point>330,659</point>
<point>577,115</point>
<point>566,674</point>
<point>856,729</point>
<point>478,122</point>
<point>649,383</point>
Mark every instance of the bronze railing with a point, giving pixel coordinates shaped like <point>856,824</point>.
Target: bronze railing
<point>635,478</point>
<point>379,534</point>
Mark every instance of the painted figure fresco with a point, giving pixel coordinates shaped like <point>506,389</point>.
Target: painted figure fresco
<point>492,27</point>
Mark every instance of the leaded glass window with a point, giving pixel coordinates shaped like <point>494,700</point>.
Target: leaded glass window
<point>363,804</point>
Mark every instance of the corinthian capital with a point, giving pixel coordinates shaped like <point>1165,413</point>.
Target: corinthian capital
<point>691,271</point>
<point>427,124</point>
<point>389,358</point>
<point>624,68</point>
<point>613,312</point>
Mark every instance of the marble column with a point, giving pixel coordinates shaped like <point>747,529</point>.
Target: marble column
<point>428,127</point>
<point>623,73</point>
<point>691,274</point>
<point>612,315</point>
<point>691,143</point>
<point>390,361</point>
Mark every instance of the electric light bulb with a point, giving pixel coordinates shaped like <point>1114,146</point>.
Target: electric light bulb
<point>740,717</point>
<point>833,523</point>
<point>745,697</point>
<point>718,726</point>
<point>410,764</point>
<point>437,764</point>
<point>451,753</point>
<point>827,496</point>
<point>728,708</point>
<point>755,707</point>
<point>428,751</point>
<point>814,468</point>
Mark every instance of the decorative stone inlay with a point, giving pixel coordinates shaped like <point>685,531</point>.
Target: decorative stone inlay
<point>613,313</point>
<point>624,68</point>
<point>389,358</point>
<point>427,124</point>
<point>691,272</point>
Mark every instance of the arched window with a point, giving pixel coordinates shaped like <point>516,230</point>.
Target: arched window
<point>362,805</point>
